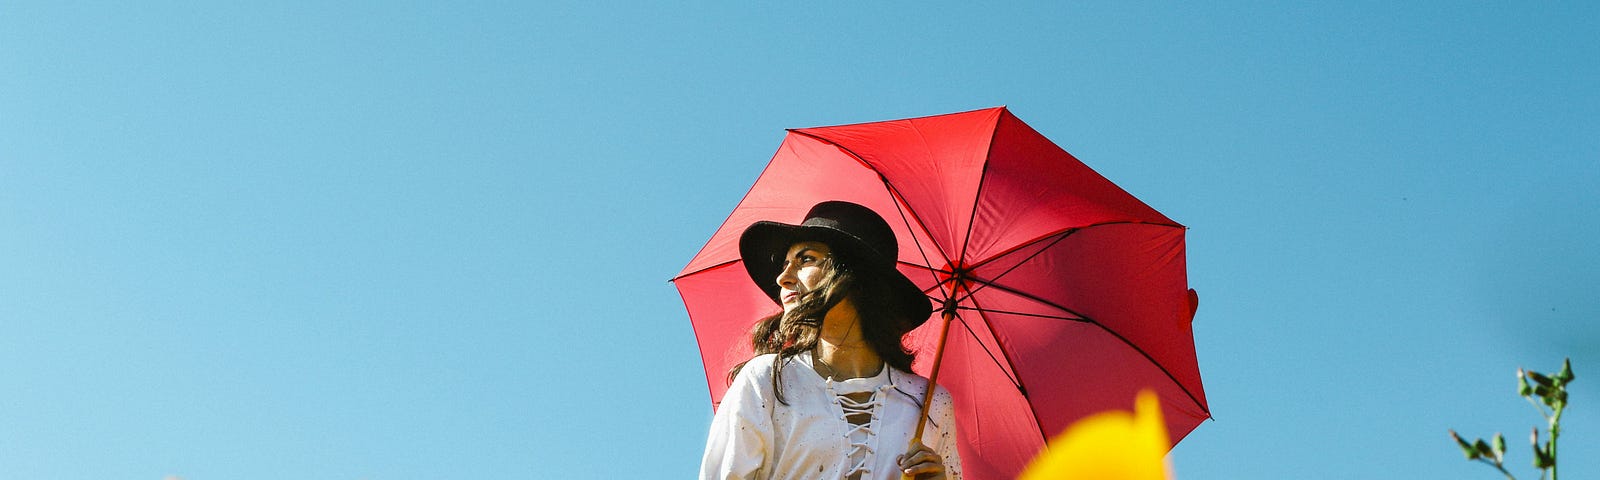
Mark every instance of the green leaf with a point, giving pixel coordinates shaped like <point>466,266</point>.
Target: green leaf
<point>1523,388</point>
<point>1544,392</point>
<point>1565,375</point>
<point>1466,448</point>
<point>1499,447</point>
<point>1541,379</point>
<point>1483,448</point>
<point>1550,397</point>
<point>1542,458</point>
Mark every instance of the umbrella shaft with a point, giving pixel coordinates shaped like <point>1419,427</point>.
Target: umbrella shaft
<point>933,380</point>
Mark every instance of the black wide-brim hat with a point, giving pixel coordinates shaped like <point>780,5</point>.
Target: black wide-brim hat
<point>857,232</point>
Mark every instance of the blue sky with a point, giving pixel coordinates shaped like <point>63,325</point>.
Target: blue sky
<point>386,240</point>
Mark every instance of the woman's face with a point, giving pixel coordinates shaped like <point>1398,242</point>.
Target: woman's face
<point>802,272</point>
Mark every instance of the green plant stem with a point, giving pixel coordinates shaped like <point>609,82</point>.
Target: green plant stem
<point>1499,467</point>
<point>1555,432</point>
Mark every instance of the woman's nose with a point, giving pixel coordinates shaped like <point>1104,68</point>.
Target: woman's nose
<point>787,278</point>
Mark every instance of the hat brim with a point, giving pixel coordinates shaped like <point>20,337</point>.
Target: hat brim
<point>763,245</point>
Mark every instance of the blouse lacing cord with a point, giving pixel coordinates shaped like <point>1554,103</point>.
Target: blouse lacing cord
<point>861,436</point>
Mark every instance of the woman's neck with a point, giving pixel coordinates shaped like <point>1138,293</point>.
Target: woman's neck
<point>842,350</point>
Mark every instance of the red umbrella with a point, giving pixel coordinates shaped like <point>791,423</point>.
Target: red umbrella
<point>1064,294</point>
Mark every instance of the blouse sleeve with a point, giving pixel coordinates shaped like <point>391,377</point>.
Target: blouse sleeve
<point>741,431</point>
<point>944,415</point>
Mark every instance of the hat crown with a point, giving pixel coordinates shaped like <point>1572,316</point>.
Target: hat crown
<point>859,223</point>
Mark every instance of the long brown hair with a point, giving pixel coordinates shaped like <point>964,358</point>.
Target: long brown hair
<point>788,334</point>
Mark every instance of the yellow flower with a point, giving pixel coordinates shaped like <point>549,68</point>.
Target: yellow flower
<point>1108,446</point>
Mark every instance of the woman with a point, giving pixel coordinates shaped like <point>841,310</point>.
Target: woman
<point>830,393</point>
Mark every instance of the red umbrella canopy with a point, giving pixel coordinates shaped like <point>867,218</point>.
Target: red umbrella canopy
<point>1070,295</point>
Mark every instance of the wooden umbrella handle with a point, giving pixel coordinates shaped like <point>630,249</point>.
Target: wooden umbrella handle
<point>933,381</point>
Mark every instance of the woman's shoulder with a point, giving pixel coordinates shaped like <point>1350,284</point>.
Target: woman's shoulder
<point>760,366</point>
<point>909,380</point>
<point>764,360</point>
<point>917,385</point>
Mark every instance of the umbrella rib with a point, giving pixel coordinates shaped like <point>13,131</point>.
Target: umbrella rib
<point>1124,340</point>
<point>985,283</point>
<point>931,271</point>
<point>1025,314</point>
<point>903,219</point>
<point>1067,230</point>
<point>1153,361</point>
<point>1081,317</point>
<point>963,253</point>
<point>1058,237</point>
<point>1015,380</point>
<point>898,199</point>
<point>1084,318</point>
<point>977,194</point>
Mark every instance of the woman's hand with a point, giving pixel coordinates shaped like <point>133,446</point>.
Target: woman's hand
<point>921,463</point>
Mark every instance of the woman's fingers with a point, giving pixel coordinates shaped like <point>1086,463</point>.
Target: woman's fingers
<point>924,468</point>
<point>917,454</point>
<point>923,457</point>
<point>921,460</point>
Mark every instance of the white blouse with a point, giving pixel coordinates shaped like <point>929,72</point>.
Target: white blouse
<point>753,437</point>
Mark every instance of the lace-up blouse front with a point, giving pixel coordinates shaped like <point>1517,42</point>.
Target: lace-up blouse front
<point>829,430</point>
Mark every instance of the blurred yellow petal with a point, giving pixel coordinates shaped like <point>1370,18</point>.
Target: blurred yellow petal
<point>1112,445</point>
